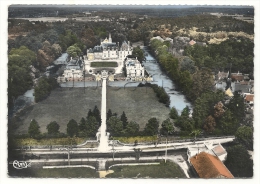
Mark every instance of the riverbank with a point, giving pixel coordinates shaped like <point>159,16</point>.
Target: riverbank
<point>160,77</point>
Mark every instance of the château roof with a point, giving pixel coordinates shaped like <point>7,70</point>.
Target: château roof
<point>209,166</point>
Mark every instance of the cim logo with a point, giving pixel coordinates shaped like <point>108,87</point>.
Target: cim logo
<point>21,164</point>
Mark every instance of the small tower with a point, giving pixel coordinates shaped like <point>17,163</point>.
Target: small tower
<point>110,39</point>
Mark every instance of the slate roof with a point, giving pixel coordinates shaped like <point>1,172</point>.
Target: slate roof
<point>242,87</point>
<point>209,166</point>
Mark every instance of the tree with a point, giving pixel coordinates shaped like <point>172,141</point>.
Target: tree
<point>82,124</point>
<point>238,161</point>
<point>237,107</point>
<point>204,106</point>
<point>91,126</point>
<point>34,129</point>
<point>132,129</point>
<point>96,114</point>
<point>109,114</point>
<point>219,110</point>
<point>173,113</point>
<point>74,51</point>
<point>139,53</point>
<point>188,64</point>
<point>202,82</point>
<point>72,128</point>
<point>90,113</point>
<point>124,120</point>
<point>195,133</point>
<point>115,126</point>
<point>151,128</point>
<point>44,87</point>
<point>186,123</point>
<point>228,123</point>
<point>245,135</point>
<point>185,112</point>
<point>53,128</point>
<point>167,127</point>
<point>19,72</point>
<point>210,124</point>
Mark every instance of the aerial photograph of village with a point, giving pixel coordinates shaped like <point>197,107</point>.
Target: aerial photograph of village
<point>130,91</point>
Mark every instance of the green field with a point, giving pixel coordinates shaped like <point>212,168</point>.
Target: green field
<point>139,104</point>
<point>164,170</point>
<point>103,64</point>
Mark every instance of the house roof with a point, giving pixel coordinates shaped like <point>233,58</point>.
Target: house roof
<point>249,98</point>
<point>222,75</point>
<point>209,166</point>
<point>219,150</point>
<point>237,76</point>
<point>242,87</point>
<point>192,42</point>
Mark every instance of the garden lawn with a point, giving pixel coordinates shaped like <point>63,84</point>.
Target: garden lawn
<point>103,64</point>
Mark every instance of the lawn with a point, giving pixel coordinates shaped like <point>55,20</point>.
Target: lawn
<point>139,104</point>
<point>52,141</point>
<point>103,64</point>
<point>164,170</point>
<point>54,173</point>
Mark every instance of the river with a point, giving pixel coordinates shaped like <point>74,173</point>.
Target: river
<point>178,100</point>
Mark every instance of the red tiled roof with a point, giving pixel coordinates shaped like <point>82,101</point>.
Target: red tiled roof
<point>192,42</point>
<point>249,98</point>
<point>237,77</point>
<point>209,166</point>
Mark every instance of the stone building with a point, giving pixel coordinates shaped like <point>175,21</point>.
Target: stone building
<point>109,50</point>
<point>134,69</point>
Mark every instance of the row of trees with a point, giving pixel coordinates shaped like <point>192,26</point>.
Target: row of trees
<point>160,92</point>
<point>116,126</point>
<point>190,79</point>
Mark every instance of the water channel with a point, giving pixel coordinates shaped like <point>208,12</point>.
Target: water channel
<point>178,100</point>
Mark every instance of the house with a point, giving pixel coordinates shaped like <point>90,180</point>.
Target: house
<point>229,93</point>
<point>206,165</point>
<point>242,88</point>
<point>237,76</point>
<point>192,42</point>
<point>215,150</point>
<point>249,98</point>
<point>222,75</point>
<point>134,68</point>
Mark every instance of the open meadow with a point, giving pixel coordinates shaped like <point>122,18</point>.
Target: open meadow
<point>140,104</point>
